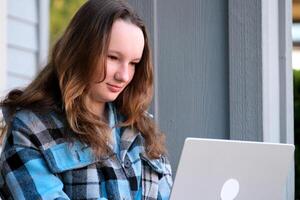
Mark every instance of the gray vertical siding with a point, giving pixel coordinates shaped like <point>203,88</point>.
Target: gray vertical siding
<point>223,70</point>
<point>190,42</point>
<point>192,71</point>
<point>261,100</point>
<point>245,70</point>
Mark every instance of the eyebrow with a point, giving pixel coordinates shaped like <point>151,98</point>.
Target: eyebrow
<point>120,54</point>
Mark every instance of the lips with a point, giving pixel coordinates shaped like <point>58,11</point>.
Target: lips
<point>114,88</point>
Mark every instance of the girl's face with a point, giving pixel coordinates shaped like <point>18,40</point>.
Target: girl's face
<point>124,52</point>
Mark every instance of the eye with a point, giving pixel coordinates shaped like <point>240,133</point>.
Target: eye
<point>133,63</point>
<point>112,57</point>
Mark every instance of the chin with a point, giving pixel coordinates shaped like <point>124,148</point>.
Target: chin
<point>111,98</point>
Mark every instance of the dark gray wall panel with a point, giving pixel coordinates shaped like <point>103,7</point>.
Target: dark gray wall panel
<point>245,39</point>
<point>192,71</point>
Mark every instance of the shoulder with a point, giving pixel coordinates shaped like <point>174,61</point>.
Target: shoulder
<point>36,129</point>
<point>38,121</point>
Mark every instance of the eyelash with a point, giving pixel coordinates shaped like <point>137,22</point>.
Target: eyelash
<point>113,57</point>
<point>133,63</point>
<point>116,58</point>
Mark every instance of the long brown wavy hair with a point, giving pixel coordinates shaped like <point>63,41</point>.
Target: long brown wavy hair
<point>62,84</point>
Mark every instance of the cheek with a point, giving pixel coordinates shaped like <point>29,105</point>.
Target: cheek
<point>93,90</point>
<point>96,87</point>
<point>132,72</point>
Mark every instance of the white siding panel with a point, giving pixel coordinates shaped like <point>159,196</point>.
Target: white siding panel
<point>21,62</point>
<point>16,82</point>
<point>22,35</point>
<point>43,32</point>
<point>3,40</point>
<point>23,9</point>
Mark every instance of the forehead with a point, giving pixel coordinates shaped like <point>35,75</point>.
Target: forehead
<point>127,39</point>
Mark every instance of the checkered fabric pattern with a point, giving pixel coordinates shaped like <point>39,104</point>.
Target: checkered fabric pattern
<point>37,162</point>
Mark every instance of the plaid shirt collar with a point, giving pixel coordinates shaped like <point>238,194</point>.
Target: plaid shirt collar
<point>83,154</point>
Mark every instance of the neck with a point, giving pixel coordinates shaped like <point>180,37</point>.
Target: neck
<point>98,108</point>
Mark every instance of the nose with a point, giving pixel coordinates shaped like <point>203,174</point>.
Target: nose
<point>123,73</point>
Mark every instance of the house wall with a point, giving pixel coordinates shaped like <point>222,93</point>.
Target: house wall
<point>223,70</point>
<point>22,42</point>
<point>27,40</point>
<point>191,67</point>
<point>3,46</point>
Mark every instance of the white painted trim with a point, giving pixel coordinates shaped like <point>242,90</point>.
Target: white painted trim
<point>44,7</point>
<point>270,70</point>
<point>286,86</point>
<point>3,46</point>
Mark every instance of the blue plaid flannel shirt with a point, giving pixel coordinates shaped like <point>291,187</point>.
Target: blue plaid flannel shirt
<point>37,162</point>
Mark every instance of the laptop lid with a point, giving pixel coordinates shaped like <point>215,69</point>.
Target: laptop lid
<point>226,170</point>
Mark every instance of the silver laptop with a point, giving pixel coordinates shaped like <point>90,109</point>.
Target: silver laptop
<point>232,170</point>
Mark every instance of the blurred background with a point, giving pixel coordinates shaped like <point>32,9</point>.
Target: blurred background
<point>296,72</point>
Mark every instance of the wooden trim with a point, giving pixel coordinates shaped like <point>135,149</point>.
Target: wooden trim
<point>3,46</point>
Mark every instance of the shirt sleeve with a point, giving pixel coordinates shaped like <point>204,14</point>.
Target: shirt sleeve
<point>166,182</point>
<point>24,172</point>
